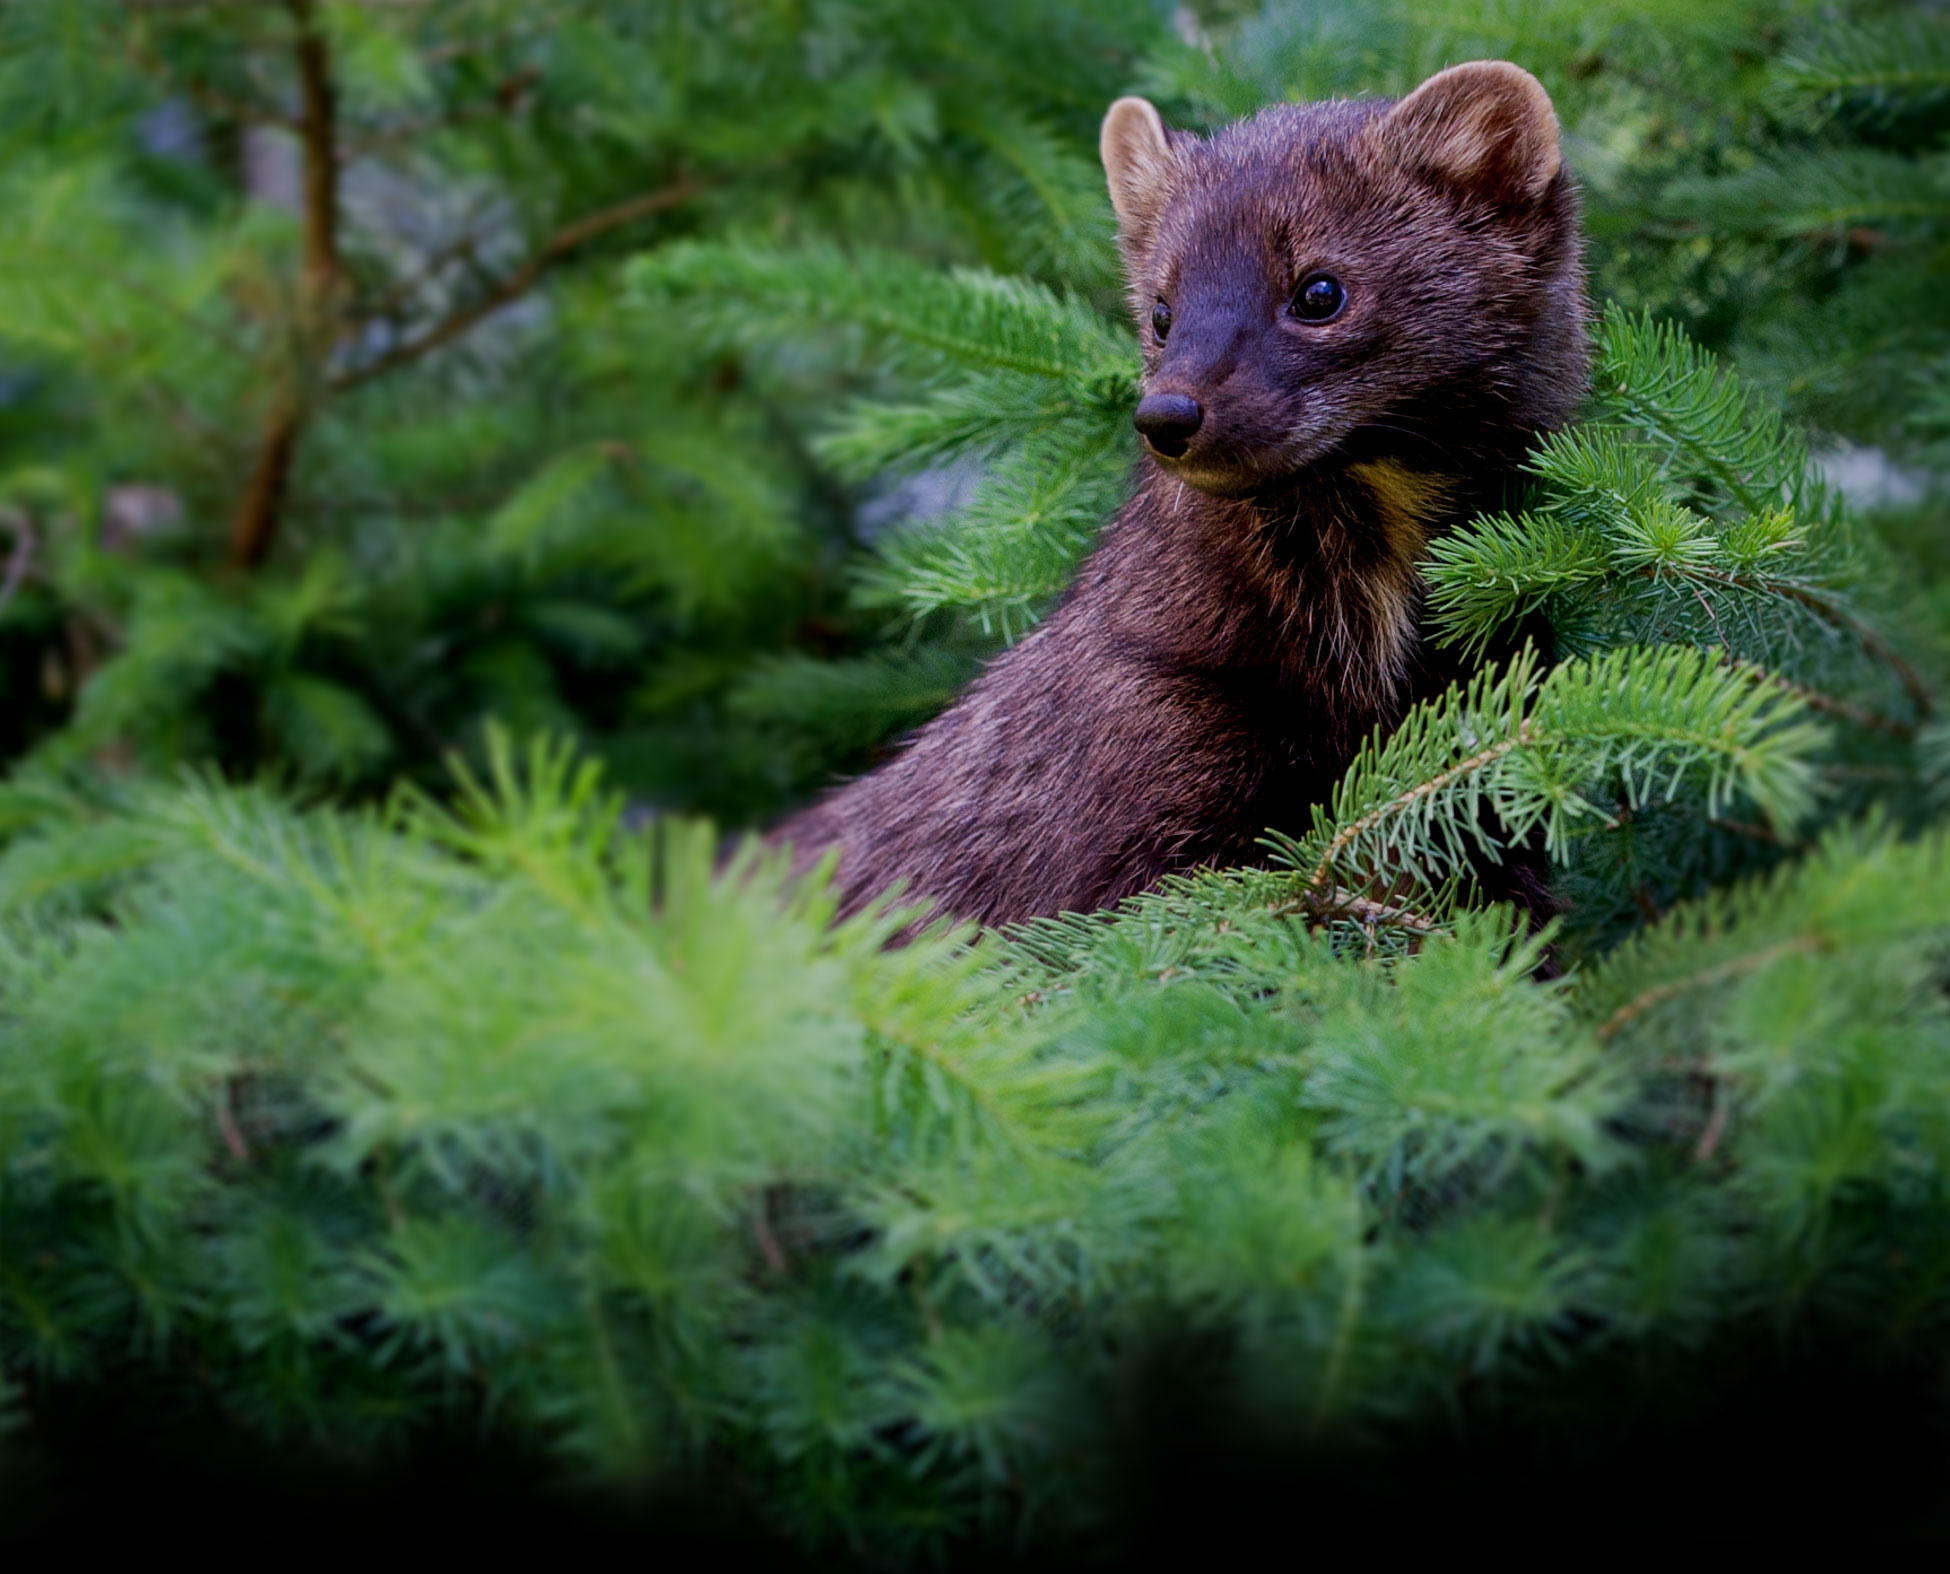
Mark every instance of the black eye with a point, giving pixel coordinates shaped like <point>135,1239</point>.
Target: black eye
<point>1318,299</point>
<point>1161,320</point>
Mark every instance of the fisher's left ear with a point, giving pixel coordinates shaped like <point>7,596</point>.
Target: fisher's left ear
<point>1137,161</point>
<point>1487,126</point>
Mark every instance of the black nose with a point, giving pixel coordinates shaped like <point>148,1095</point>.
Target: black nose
<point>1168,421</point>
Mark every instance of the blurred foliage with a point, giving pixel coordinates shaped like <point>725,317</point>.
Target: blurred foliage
<point>327,426</point>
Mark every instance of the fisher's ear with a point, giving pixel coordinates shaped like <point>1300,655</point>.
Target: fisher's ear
<point>1137,161</point>
<point>1487,126</point>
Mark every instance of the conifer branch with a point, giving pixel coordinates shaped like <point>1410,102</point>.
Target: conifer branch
<point>1406,802</point>
<point>1904,58</point>
<point>1865,634</point>
<point>968,321</point>
<point>255,525</point>
<point>1529,748</point>
<point>519,282</point>
<point>1337,902</point>
<point>1719,973</point>
<point>1829,704</point>
<point>318,130</point>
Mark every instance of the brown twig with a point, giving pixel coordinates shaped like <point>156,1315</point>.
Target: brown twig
<point>255,525</point>
<point>1339,903</point>
<point>1758,833</point>
<point>1716,1126</point>
<point>1828,704</point>
<point>768,1243</point>
<point>318,129</point>
<point>1659,994</point>
<point>1837,616</point>
<point>518,283</point>
<point>227,1128</point>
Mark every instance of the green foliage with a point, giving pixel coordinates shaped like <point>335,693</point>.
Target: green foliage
<point>258,340</point>
<point>1685,510</point>
<point>710,391</point>
<point>1522,752</point>
<point>1033,386</point>
<point>364,1117</point>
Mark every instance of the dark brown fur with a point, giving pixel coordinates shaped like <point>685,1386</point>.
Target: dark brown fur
<point>1253,613</point>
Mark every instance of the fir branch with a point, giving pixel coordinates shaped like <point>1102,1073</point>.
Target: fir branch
<point>1829,192</point>
<point>1017,543</point>
<point>254,525</point>
<point>1605,548</point>
<point>1526,749</point>
<point>1652,377</point>
<point>974,418</point>
<point>1904,58</point>
<point>1719,973</point>
<point>965,318</point>
<point>1829,704</point>
<point>1863,892</point>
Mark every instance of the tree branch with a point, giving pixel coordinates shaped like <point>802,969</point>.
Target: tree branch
<point>518,283</point>
<point>1408,799</point>
<point>1338,902</point>
<point>318,130</point>
<point>255,525</point>
<point>1830,610</point>
<point>1815,699</point>
<point>1720,973</point>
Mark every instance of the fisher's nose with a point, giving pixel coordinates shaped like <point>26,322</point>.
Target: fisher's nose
<point>1168,421</point>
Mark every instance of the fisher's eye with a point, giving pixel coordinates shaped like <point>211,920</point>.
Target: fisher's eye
<point>1319,298</point>
<point>1161,319</point>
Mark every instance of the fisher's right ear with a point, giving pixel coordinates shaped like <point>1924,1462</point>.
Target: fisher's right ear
<point>1138,162</point>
